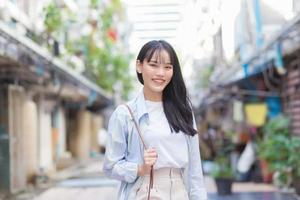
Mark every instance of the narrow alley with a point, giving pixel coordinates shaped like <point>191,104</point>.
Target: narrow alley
<point>226,72</point>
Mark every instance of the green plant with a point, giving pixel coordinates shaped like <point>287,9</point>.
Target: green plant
<point>53,18</point>
<point>222,168</point>
<point>101,48</point>
<point>275,151</point>
<point>222,160</point>
<point>277,125</point>
<point>294,156</point>
<point>278,148</point>
<point>274,144</point>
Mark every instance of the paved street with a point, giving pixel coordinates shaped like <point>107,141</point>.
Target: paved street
<point>91,184</point>
<point>253,196</point>
<point>104,189</point>
<point>86,182</point>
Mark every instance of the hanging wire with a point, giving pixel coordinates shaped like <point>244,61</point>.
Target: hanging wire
<point>271,73</point>
<point>268,83</point>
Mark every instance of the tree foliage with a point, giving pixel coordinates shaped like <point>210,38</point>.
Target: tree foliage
<point>102,49</point>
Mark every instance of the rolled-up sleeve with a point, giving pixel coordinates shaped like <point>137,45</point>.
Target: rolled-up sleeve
<point>115,165</point>
<point>196,180</point>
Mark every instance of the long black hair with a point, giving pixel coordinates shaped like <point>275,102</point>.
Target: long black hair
<point>176,103</point>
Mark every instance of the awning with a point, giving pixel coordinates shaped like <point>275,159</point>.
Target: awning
<point>282,44</point>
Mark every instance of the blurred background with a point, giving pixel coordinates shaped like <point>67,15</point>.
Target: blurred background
<point>66,64</point>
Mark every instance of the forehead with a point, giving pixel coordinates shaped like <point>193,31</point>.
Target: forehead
<point>160,55</point>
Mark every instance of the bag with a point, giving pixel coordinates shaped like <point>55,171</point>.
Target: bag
<point>144,145</point>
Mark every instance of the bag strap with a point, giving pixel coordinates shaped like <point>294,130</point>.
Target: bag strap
<point>136,126</point>
<point>141,137</point>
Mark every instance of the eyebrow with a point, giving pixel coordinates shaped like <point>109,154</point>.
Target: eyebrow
<point>155,61</point>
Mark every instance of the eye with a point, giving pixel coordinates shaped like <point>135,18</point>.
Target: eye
<point>168,66</point>
<point>152,64</point>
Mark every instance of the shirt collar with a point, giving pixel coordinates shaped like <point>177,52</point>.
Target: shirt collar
<point>141,105</point>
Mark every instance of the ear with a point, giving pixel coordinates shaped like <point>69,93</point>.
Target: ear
<point>138,66</point>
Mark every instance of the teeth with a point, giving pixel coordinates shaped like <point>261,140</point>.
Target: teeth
<point>159,81</point>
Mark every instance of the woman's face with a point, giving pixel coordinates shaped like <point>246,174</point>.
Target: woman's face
<point>157,73</point>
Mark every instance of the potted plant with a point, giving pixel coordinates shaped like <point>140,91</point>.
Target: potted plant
<point>223,173</point>
<point>274,149</point>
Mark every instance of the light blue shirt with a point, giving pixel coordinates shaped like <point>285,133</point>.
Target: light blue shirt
<point>124,151</point>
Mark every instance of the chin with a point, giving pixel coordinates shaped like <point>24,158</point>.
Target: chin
<point>158,89</point>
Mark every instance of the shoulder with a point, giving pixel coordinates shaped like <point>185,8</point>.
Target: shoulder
<point>121,112</point>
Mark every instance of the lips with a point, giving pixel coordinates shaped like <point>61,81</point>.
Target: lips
<point>158,80</point>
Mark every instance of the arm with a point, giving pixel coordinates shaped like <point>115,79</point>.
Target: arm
<point>197,187</point>
<point>115,165</point>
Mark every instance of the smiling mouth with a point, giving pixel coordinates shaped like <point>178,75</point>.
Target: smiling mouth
<point>158,80</point>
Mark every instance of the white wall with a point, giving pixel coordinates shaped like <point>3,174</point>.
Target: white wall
<point>45,137</point>
<point>31,137</point>
<point>61,125</point>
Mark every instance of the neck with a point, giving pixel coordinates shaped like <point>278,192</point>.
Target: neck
<point>152,96</point>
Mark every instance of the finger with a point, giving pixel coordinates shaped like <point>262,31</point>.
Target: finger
<point>150,160</point>
<point>153,162</point>
<point>151,150</point>
<point>154,155</point>
<point>149,164</point>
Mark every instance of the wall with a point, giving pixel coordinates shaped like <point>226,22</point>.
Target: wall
<point>45,156</point>
<point>291,86</point>
<point>31,137</point>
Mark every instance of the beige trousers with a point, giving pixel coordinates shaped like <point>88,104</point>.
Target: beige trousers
<point>167,185</point>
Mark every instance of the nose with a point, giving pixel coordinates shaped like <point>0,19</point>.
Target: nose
<point>160,71</point>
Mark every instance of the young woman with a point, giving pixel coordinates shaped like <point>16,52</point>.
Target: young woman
<point>163,114</point>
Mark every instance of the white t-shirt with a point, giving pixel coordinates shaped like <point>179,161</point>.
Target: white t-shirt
<point>171,147</point>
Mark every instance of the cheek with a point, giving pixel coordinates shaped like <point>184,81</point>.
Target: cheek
<point>147,73</point>
<point>145,76</point>
<point>170,75</point>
